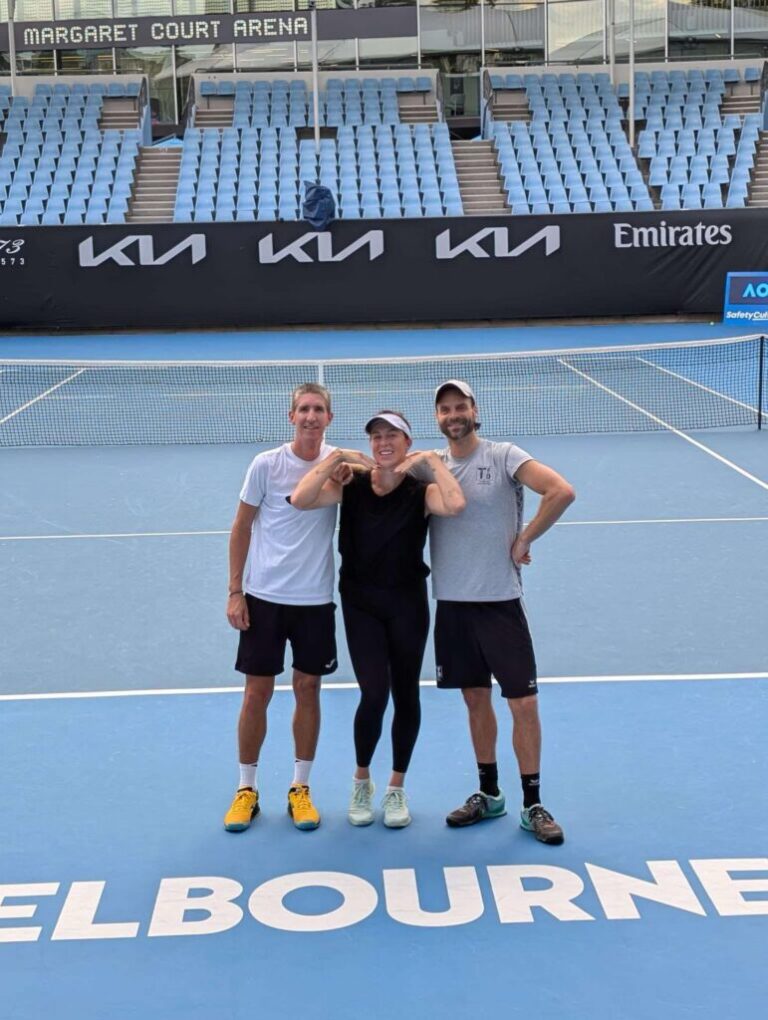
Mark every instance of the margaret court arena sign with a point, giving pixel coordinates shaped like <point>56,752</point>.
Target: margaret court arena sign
<point>264,27</point>
<point>181,275</point>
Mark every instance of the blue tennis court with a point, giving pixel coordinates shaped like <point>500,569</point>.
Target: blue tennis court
<point>117,724</point>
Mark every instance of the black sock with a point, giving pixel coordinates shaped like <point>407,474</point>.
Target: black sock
<point>531,789</point>
<point>489,778</point>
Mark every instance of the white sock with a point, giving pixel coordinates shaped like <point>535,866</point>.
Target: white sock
<point>359,782</point>
<point>390,789</point>
<point>301,771</point>
<point>248,776</point>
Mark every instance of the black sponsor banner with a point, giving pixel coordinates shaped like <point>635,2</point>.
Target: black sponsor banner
<point>191,275</point>
<point>264,27</point>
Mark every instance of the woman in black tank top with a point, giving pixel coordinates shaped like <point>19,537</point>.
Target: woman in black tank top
<point>383,589</point>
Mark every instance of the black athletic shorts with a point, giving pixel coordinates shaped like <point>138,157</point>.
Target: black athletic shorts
<point>311,631</point>
<point>474,640</point>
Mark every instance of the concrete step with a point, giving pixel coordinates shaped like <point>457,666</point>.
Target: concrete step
<point>480,200</point>
<point>473,169</point>
<point>159,174</point>
<point>484,176</point>
<point>489,211</point>
<point>213,119</point>
<point>153,200</point>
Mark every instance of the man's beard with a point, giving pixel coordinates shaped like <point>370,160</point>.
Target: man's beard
<point>467,428</point>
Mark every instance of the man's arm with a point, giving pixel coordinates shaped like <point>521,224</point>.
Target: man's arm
<point>318,488</point>
<point>239,543</point>
<point>443,497</point>
<point>556,496</point>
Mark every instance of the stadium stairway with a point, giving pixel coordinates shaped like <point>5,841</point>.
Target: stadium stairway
<point>757,194</point>
<point>155,185</point>
<point>510,100</point>
<point>478,174</point>
<point>417,107</point>
<point>214,111</point>
<point>119,113</point>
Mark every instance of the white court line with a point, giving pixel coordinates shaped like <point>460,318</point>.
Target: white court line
<point>113,534</point>
<point>701,386</point>
<point>349,686</point>
<point>29,403</point>
<point>559,524</point>
<point>661,520</point>
<point>666,425</point>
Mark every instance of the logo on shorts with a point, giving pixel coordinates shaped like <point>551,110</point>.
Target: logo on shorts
<point>330,665</point>
<point>439,673</point>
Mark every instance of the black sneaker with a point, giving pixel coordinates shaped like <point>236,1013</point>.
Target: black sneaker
<point>477,808</point>
<point>539,821</point>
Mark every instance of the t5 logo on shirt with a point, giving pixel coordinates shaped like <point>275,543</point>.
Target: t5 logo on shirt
<point>484,476</point>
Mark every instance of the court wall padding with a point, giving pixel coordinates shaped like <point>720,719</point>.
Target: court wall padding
<point>369,271</point>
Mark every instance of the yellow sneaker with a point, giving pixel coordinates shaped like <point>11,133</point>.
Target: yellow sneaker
<point>242,811</point>
<point>301,809</point>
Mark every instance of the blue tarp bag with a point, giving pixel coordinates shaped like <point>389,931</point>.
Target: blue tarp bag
<point>319,207</point>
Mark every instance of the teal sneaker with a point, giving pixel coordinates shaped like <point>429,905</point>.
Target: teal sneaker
<point>361,805</point>
<point>539,821</point>
<point>396,813</point>
<point>477,808</point>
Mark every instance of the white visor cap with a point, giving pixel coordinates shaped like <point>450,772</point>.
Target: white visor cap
<point>456,384</point>
<point>392,419</point>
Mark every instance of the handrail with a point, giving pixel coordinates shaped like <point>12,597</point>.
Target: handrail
<point>488,98</point>
<point>763,85</point>
<point>143,97</point>
<point>189,104</point>
<point>439,95</point>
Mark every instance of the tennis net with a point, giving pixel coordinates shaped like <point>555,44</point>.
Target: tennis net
<point>691,385</point>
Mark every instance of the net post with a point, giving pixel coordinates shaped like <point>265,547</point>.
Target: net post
<point>760,377</point>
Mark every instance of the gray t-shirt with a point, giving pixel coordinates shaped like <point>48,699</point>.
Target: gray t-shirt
<point>470,553</point>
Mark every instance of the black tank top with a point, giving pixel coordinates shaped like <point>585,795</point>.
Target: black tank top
<point>381,538</point>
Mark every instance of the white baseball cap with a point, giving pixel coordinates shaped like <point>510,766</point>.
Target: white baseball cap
<point>456,384</point>
<point>393,419</point>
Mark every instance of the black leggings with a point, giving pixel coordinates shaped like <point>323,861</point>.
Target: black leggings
<point>386,636</point>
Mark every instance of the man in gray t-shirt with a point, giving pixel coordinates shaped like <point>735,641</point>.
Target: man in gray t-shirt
<point>480,624</point>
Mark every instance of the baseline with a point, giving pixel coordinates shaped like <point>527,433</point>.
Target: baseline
<point>351,686</point>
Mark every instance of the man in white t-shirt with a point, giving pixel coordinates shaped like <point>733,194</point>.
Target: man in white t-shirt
<point>281,591</point>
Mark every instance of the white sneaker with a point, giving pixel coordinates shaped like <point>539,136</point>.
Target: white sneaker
<point>396,813</point>
<point>361,804</point>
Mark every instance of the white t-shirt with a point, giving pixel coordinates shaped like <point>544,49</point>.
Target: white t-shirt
<point>290,559</point>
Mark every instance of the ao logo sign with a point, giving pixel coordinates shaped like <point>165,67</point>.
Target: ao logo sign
<point>139,250</point>
<point>752,291</point>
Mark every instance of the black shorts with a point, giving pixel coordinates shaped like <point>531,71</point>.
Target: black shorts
<point>474,640</point>
<point>311,631</point>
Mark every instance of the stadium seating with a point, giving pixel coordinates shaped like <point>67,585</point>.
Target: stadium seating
<point>574,154</point>
<point>57,166</point>
<point>288,103</point>
<point>372,171</point>
<point>697,158</point>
